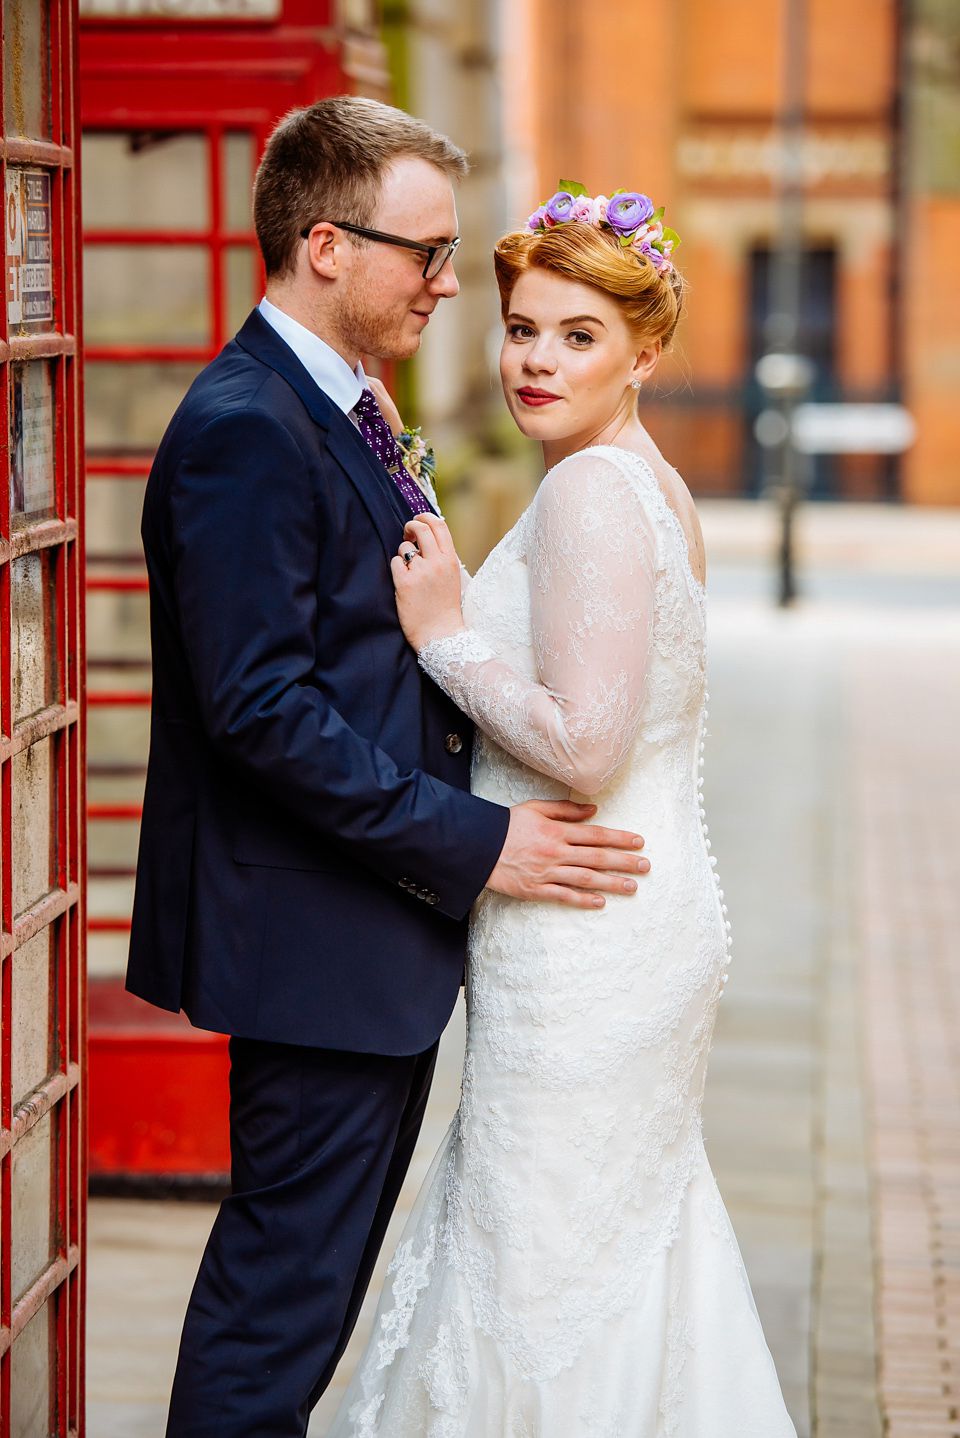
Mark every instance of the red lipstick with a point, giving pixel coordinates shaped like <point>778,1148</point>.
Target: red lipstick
<point>536,397</point>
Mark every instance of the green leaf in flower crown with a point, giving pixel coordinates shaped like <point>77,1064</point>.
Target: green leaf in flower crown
<point>626,240</point>
<point>574,188</point>
<point>672,235</point>
<point>616,193</point>
<point>657,215</point>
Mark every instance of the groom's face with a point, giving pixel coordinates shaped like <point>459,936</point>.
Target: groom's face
<point>386,302</point>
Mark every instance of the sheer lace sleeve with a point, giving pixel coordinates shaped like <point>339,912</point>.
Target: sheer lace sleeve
<point>592,568</point>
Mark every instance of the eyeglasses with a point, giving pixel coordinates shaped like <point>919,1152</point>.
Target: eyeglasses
<point>437,255</point>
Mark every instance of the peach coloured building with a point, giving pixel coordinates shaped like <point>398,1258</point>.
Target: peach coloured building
<point>682,100</point>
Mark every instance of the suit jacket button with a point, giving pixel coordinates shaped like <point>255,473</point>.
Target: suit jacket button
<point>423,893</point>
<point>453,743</point>
<point>433,898</point>
<point>405,884</point>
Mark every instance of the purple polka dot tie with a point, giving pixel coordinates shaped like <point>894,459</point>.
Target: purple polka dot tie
<point>379,437</point>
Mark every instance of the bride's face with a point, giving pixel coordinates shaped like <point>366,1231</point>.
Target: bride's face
<point>568,360</point>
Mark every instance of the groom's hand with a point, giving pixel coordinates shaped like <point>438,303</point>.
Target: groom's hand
<point>552,853</point>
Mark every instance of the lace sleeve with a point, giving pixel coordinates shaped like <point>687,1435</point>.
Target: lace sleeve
<point>592,568</point>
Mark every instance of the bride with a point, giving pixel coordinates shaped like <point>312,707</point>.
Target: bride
<point>569,1270</point>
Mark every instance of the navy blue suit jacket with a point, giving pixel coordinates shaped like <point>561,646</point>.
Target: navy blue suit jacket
<point>309,849</point>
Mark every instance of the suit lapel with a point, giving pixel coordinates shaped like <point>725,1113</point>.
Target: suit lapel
<point>376,489</point>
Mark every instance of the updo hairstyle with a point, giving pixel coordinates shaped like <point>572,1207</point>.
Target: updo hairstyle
<point>649,302</point>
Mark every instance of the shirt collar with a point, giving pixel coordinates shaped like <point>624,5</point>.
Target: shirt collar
<point>326,368</point>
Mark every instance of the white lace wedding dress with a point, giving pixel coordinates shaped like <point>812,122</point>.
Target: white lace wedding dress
<point>569,1270</point>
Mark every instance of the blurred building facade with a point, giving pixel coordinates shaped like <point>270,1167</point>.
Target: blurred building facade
<point>930,241</point>
<point>682,101</point>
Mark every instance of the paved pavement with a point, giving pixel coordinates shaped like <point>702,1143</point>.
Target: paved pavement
<point>832,785</point>
<point>908,782</point>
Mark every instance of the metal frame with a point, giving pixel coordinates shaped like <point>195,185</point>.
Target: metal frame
<point>61,1283</point>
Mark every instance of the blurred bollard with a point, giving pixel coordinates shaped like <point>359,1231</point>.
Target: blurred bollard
<point>785,380</point>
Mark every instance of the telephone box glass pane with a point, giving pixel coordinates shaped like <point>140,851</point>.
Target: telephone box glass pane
<point>31,1189</point>
<point>33,823</point>
<point>32,646</point>
<point>145,182</point>
<point>130,405</point>
<point>26,69</point>
<point>114,510</point>
<point>146,294</point>
<point>31,443</point>
<point>118,629</point>
<point>123,732</point>
<point>238,157</point>
<point>240,280</point>
<point>32,1376</point>
<point>33,1010</point>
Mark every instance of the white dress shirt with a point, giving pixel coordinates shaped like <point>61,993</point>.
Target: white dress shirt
<point>329,370</point>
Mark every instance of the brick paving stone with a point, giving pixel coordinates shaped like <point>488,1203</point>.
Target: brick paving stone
<point>906,719</point>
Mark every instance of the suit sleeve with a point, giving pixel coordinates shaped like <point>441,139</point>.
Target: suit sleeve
<point>245,553</point>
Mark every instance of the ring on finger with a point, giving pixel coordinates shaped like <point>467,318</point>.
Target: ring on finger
<point>407,555</point>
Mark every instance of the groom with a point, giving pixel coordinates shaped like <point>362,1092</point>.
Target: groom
<point>310,849</point>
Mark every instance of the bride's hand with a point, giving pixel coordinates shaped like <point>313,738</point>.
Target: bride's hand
<point>427,583</point>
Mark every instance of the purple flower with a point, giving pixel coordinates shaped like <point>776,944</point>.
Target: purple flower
<point>661,262</point>
<point>558,207</point>
<point>648,251</point>
<point>536,219</point>
<point>627,212</point>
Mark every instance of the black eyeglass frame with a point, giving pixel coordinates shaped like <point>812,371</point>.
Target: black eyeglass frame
<point>431,251</point>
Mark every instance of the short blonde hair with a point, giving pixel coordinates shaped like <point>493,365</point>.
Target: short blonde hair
<point>650,303</point>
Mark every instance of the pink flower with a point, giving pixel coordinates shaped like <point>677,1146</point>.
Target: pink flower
<point>582,210</point>
<point>647,234</point>
<point>598,210</point>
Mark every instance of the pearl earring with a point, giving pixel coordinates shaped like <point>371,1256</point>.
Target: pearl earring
<point>636,383</point>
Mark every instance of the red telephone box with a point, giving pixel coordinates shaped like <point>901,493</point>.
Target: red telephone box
<point>176,108</point>
<point>42,1081</point>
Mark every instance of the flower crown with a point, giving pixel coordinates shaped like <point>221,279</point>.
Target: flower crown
<point>630,216</point>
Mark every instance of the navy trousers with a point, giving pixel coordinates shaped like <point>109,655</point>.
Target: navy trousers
<point>320,1143</point>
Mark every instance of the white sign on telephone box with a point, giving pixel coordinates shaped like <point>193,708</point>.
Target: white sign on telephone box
<point>29,248</point>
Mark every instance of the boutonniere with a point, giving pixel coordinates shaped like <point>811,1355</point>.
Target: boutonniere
<point>419,460</point>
